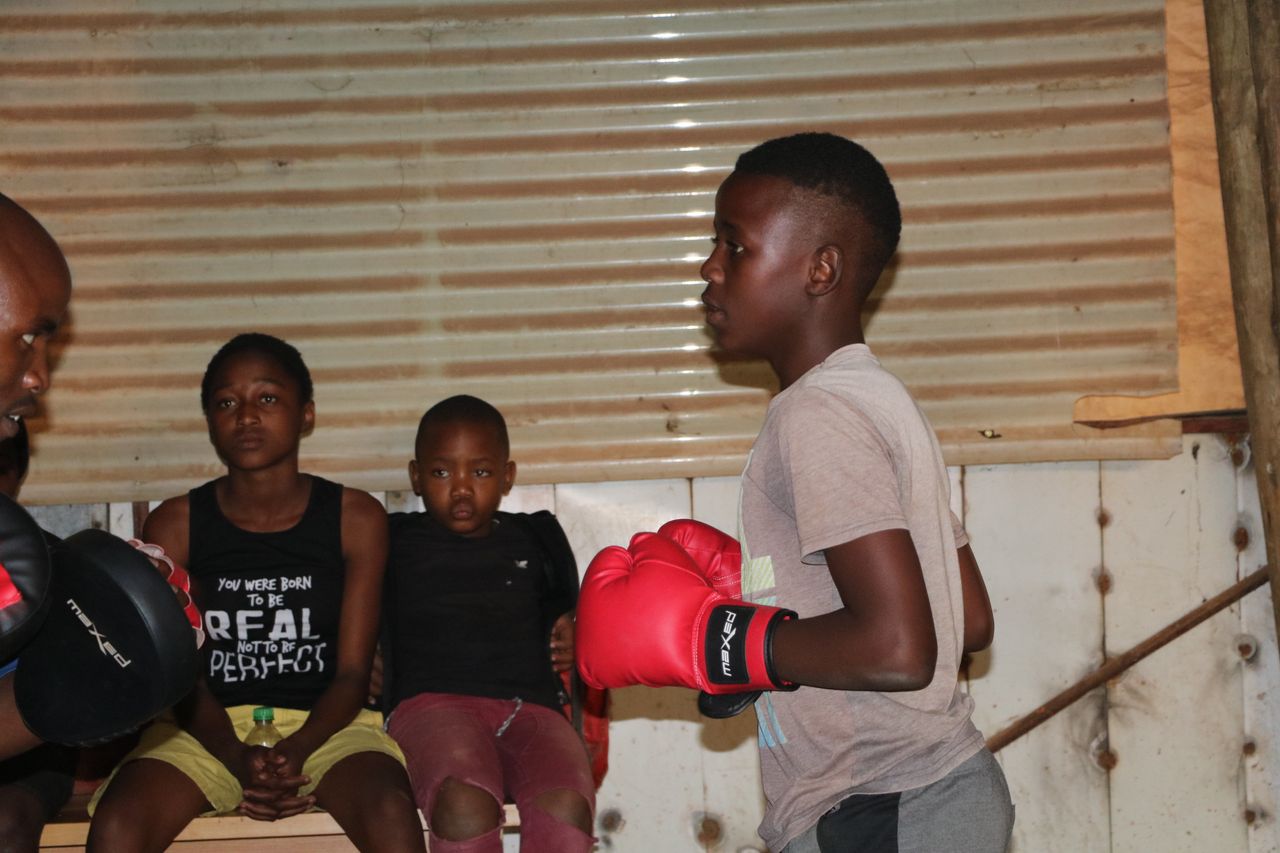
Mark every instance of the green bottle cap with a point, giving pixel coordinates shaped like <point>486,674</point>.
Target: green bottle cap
<point>264,715</point>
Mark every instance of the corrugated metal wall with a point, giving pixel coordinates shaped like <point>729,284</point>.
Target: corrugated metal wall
<point>512,199</point>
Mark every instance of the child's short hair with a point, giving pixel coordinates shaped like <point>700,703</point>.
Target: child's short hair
<point>15,452</point>
<point>840,169</point>
<point>466,409</point>
<point>285,354</point>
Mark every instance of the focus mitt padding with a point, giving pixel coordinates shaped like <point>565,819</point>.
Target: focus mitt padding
<point>24,578</point>
<point>115,650</point>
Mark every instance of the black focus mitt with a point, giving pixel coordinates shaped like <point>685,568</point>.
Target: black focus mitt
<point>114,650</point>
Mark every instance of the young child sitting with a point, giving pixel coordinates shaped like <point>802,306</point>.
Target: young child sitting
<point>287,569</point>
<point>479,624</point>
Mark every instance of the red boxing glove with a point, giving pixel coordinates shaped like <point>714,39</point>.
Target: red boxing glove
<point>179,579</point>
<point>647,615</point>
<point>719,557</point>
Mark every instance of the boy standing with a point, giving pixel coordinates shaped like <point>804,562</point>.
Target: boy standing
<point>479,626</point>
<point>845,522</point>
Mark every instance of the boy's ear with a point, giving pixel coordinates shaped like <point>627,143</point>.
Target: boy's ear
<point>509,477</point>
<point>413,477</point>
<point>826,270</point>
<point>308,417</point>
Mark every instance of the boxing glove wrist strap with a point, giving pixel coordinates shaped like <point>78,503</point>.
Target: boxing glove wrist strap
<point>738,648</point>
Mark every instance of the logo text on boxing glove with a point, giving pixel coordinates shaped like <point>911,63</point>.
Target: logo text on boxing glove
<point>726,644</point>
<point>104,645</point>
<point>726,634</point>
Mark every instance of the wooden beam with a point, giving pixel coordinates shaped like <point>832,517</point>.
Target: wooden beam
<point>1244,72</point>
<point>312,832</point>
<point>1118,664</point>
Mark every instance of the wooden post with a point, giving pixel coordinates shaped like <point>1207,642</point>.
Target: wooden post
<point>1244,72</point>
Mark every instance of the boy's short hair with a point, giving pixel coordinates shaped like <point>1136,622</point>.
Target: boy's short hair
<point>839,169</point>
<point>15,452</point>
<point>283,353</point>
<point>463,408</point>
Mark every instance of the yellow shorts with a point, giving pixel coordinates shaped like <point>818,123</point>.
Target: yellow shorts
<point>165,741</point>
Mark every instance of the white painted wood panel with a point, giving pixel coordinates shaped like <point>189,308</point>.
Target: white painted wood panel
<point>955,475</point>
<point>715,502</point>
<point>652,798</point>
<point>731,751</point>
<point>402,501</point>
<point>120,519</point>
<point>1177,723</point>
<point>598,514</point>
<point>530,498</point>
<point>1034,531</point>
<point>1176,717</point>
<point>1260,747</point>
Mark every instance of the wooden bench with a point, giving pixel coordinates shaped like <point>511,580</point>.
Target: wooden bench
<point>305,833</point>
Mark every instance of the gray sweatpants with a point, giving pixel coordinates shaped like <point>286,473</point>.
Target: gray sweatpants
<point>967,810</point>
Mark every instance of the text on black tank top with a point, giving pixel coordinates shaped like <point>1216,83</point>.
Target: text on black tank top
<point>271,601</point>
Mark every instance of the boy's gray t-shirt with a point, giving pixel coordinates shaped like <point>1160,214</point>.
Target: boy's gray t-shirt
<point>843,453</point>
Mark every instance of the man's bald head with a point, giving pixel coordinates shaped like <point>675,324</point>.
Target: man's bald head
<point>25,244</point>
<point>35,286</point>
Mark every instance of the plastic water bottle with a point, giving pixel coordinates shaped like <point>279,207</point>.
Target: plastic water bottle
<point>264,731</point>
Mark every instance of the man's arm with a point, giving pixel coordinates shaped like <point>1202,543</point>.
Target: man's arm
<point>882,638</point>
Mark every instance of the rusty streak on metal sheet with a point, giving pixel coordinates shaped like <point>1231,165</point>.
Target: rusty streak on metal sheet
<point>974,121</point>
<point>105,291</point>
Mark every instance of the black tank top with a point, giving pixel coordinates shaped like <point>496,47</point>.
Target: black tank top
<point>271,601</point>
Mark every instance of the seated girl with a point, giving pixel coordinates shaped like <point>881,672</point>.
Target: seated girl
<point>287,568</point>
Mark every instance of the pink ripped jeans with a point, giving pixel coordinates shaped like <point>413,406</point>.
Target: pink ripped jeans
<point>515,751</point>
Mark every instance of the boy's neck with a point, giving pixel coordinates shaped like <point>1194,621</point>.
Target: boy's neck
<point>811,351</point>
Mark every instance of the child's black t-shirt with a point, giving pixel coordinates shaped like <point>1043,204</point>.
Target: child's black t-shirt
<point>467,615</point>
